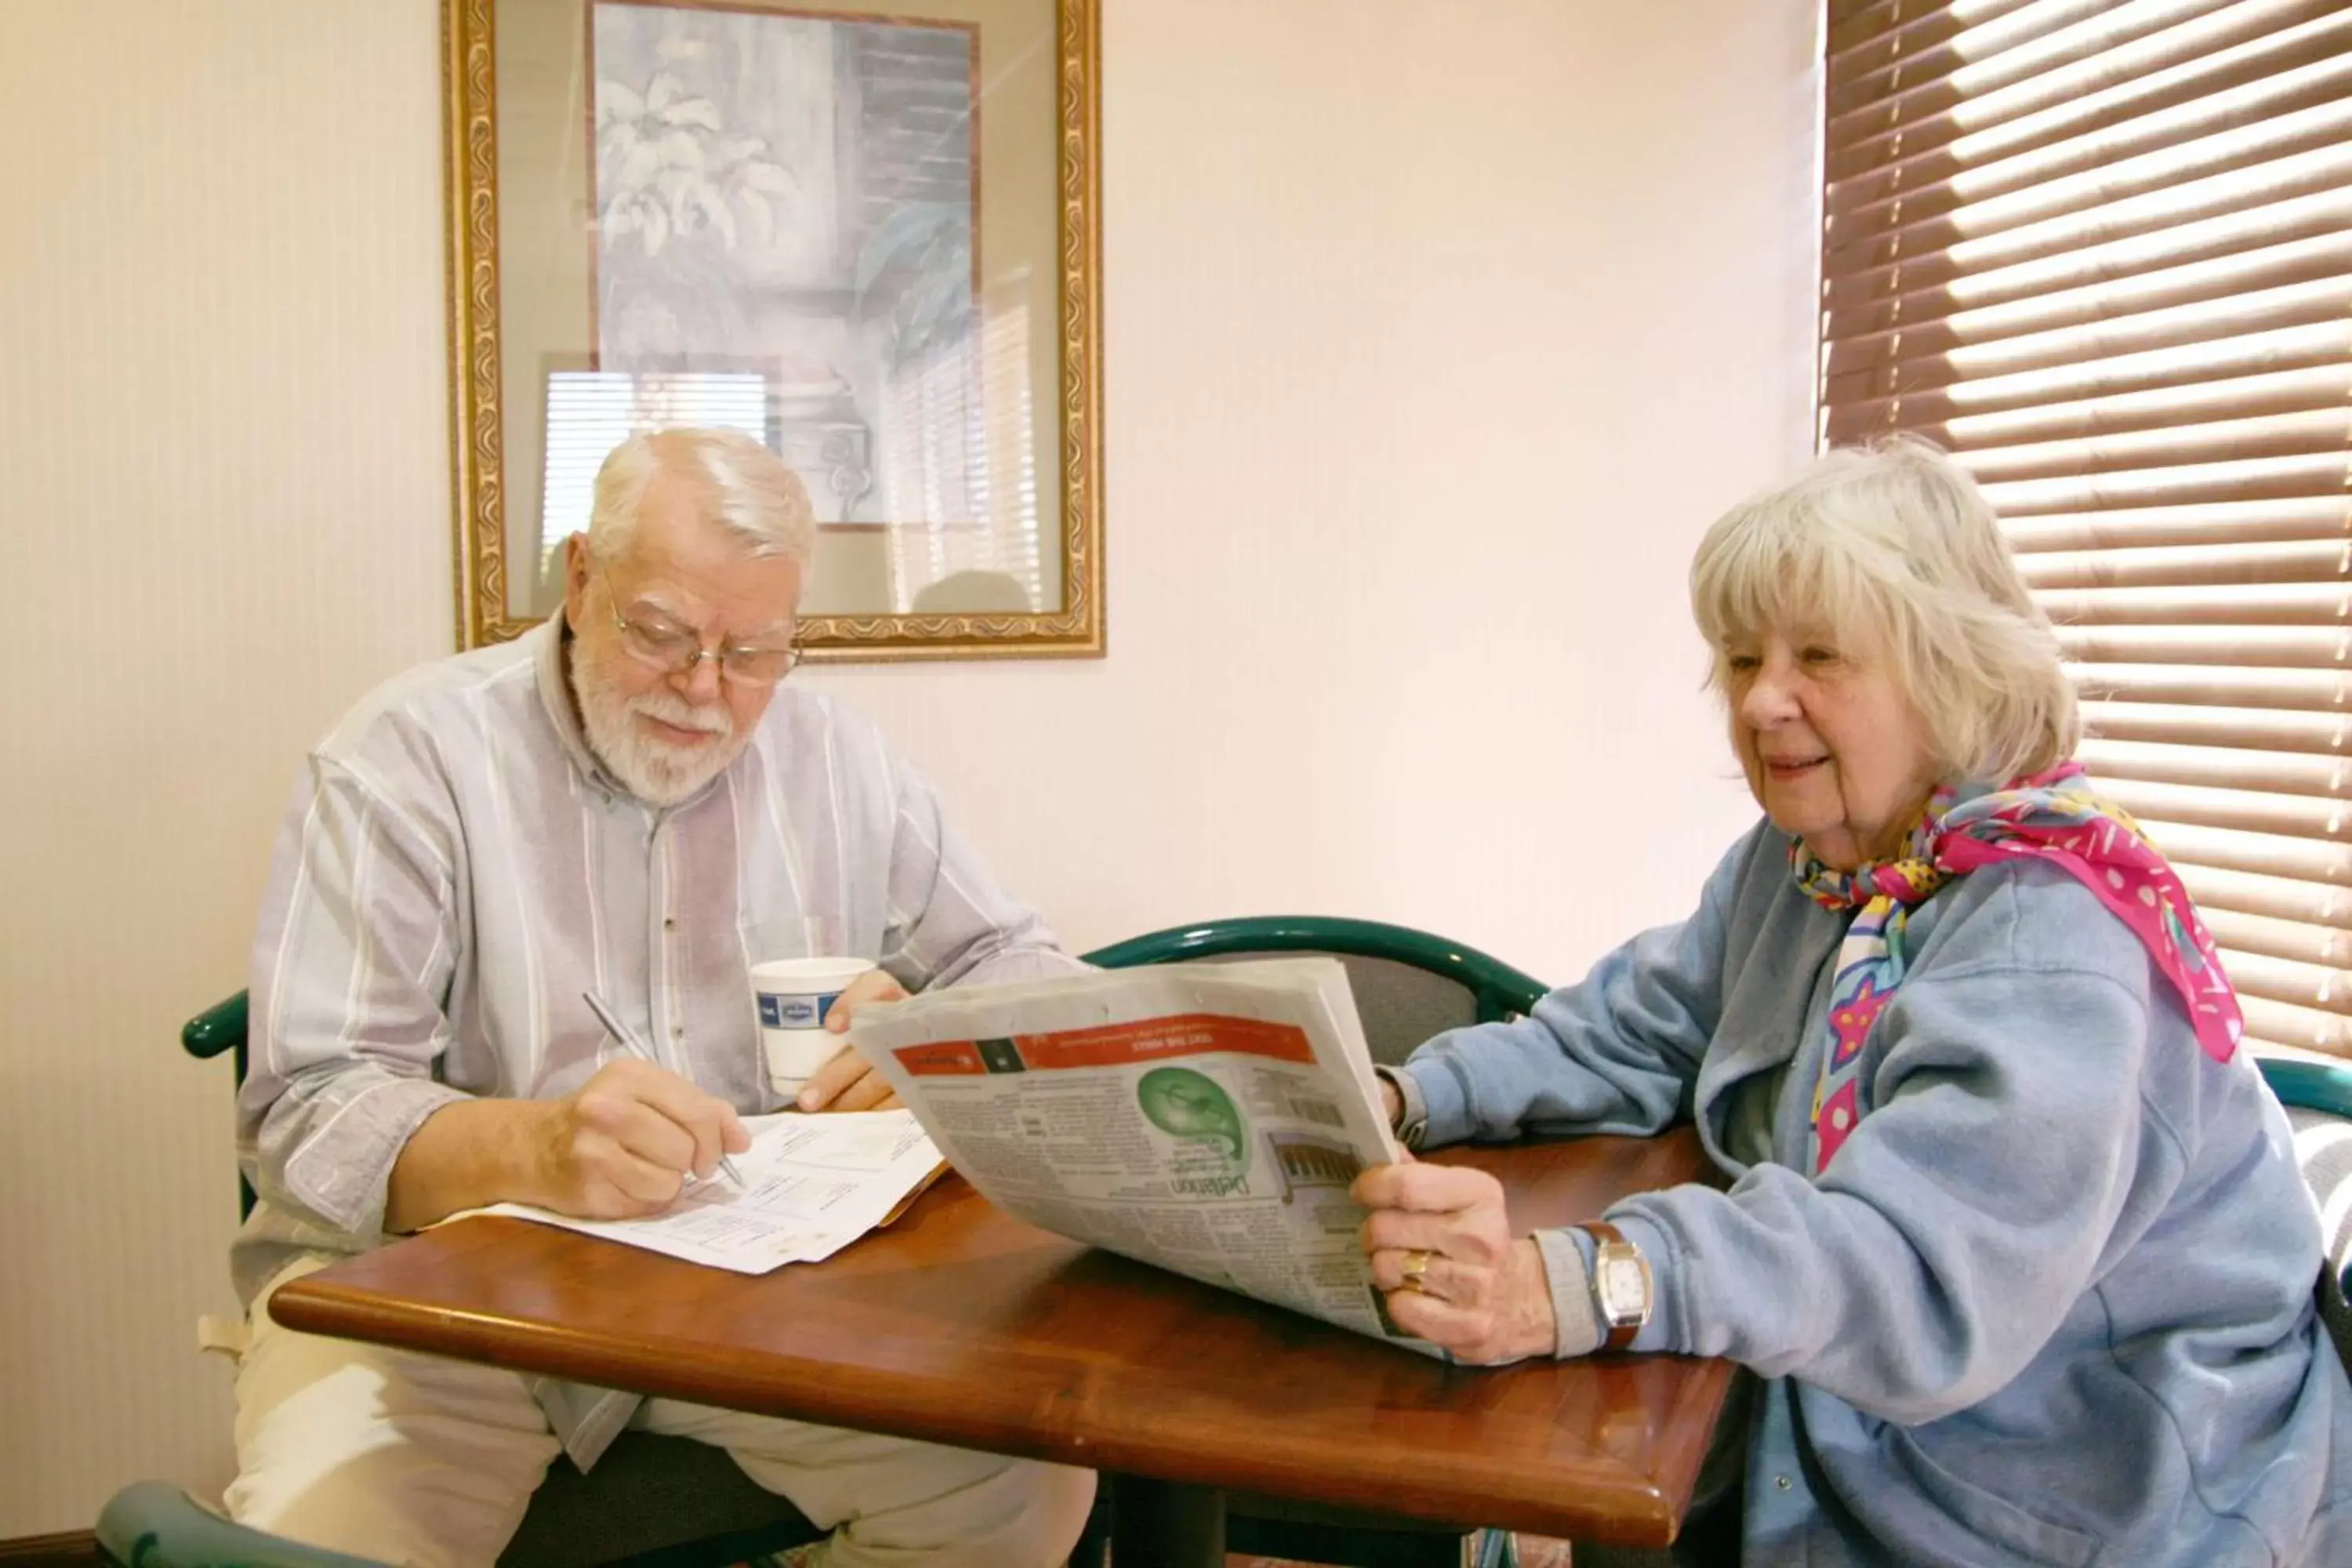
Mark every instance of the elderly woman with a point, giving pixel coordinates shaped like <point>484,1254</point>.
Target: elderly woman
<point>2014,1243</point>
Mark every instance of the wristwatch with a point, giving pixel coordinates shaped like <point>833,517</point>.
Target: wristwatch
<point>1620,1284</point>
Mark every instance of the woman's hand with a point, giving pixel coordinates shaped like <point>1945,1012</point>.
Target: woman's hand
<point>1442,1253</point>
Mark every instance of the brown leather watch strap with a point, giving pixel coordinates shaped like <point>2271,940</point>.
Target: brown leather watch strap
<point>1614,1336</point>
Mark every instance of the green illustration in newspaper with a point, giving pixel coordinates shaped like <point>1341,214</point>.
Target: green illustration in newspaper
<point>1192,1106</point>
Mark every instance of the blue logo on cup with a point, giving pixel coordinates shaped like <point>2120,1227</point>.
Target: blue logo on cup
<point>785,1011</point>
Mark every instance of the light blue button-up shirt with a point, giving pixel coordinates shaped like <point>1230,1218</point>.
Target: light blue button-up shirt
<point>458,867</point>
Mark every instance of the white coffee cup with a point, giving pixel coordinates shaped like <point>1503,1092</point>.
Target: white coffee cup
<point>793,996</point>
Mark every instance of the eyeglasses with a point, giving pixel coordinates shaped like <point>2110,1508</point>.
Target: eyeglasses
<point>676,651</point>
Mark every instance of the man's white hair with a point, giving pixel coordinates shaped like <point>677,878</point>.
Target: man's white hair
<point>1892,547</point>
<point>751,493</point>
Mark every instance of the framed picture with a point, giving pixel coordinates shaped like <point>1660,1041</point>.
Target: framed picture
<point>867,235</point>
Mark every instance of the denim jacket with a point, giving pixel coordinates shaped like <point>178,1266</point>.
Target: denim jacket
<point>2052,1302</point>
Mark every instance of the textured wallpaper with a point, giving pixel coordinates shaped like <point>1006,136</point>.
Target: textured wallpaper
<point>1437,333</point>
<point>224,513</point>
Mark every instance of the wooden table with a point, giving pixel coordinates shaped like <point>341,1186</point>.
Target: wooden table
<point>961,1325</point>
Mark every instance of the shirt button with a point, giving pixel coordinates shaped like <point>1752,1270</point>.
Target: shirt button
<point>1781,1481</point>
<point>669,925</point>
<point>677,1031</point>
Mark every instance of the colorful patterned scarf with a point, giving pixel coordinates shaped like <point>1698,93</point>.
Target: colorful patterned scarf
<point>2051,817</point>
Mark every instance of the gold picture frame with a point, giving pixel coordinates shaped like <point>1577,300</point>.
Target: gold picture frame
<point>1052,381</point>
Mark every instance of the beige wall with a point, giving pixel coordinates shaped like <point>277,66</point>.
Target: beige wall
<point>1435,334</point>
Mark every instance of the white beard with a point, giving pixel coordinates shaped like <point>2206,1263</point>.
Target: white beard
<point>655,771</point>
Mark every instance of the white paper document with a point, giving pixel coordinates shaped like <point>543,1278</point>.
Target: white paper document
<point>813,1184</point>
<point>1206,1118</point>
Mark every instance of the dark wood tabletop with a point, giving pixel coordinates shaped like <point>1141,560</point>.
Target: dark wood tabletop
<point>960,1324</point>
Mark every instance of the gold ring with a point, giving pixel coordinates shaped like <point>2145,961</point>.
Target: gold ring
<point>1416,1266</point>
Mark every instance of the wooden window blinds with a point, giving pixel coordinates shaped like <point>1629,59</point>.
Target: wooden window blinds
<point>2102,252</point>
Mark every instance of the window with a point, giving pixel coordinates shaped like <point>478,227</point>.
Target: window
<point>2102,252</point>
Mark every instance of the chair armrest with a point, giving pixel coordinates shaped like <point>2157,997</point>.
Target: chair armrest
<point>149,1524</point>
<point>217,1028</point>
<point>2323,1149</point>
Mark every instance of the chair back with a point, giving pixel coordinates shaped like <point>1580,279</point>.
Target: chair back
<point>1409,985</point>
<point>2318,1101</point>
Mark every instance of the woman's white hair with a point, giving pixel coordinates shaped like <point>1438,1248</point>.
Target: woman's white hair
<point>750,491</point>
<point>1891,551</point>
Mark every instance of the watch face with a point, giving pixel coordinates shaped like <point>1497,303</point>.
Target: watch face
<point>1621,1287</point>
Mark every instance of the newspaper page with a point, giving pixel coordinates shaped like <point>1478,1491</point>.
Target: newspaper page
<point>1206,1118</point>
<point>812,1184</point>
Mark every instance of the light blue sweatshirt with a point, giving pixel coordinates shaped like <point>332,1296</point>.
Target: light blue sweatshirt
<point>2053,1301</point>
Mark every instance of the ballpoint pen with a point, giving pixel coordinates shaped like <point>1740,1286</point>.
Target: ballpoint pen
<point>639,1049</point>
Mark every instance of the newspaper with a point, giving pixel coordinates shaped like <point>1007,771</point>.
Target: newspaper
<point>812,1184</point>
<point>1206,1118</point>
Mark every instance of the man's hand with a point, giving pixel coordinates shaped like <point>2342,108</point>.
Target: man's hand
<point>1442,1253</point>
<point>622,1143</point>
<point>848,1082</point>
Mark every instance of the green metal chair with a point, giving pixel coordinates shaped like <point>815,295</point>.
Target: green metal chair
<point>221,1028</point>
<point>2318,1101</point>
<point>651,1502</point>
<point>1409,985</point>
<point>151,1524</point>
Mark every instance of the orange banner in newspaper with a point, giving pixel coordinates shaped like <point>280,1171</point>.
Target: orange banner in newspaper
<point>1155,1039</point>
<point>941,1058</point>
<point>1113,1045</point>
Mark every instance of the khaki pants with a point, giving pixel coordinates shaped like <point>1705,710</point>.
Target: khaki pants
<point>418,1460</point>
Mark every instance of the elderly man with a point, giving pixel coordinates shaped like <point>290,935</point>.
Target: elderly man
<point>623,800</point>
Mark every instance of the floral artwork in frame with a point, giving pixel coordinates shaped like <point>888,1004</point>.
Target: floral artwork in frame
<point>864,238</point>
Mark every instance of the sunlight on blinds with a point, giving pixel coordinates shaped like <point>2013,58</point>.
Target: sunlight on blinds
<point>974,409</point>
<point>2102,253</point>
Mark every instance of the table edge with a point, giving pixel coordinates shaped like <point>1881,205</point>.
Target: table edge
<point>1638,1512</point>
